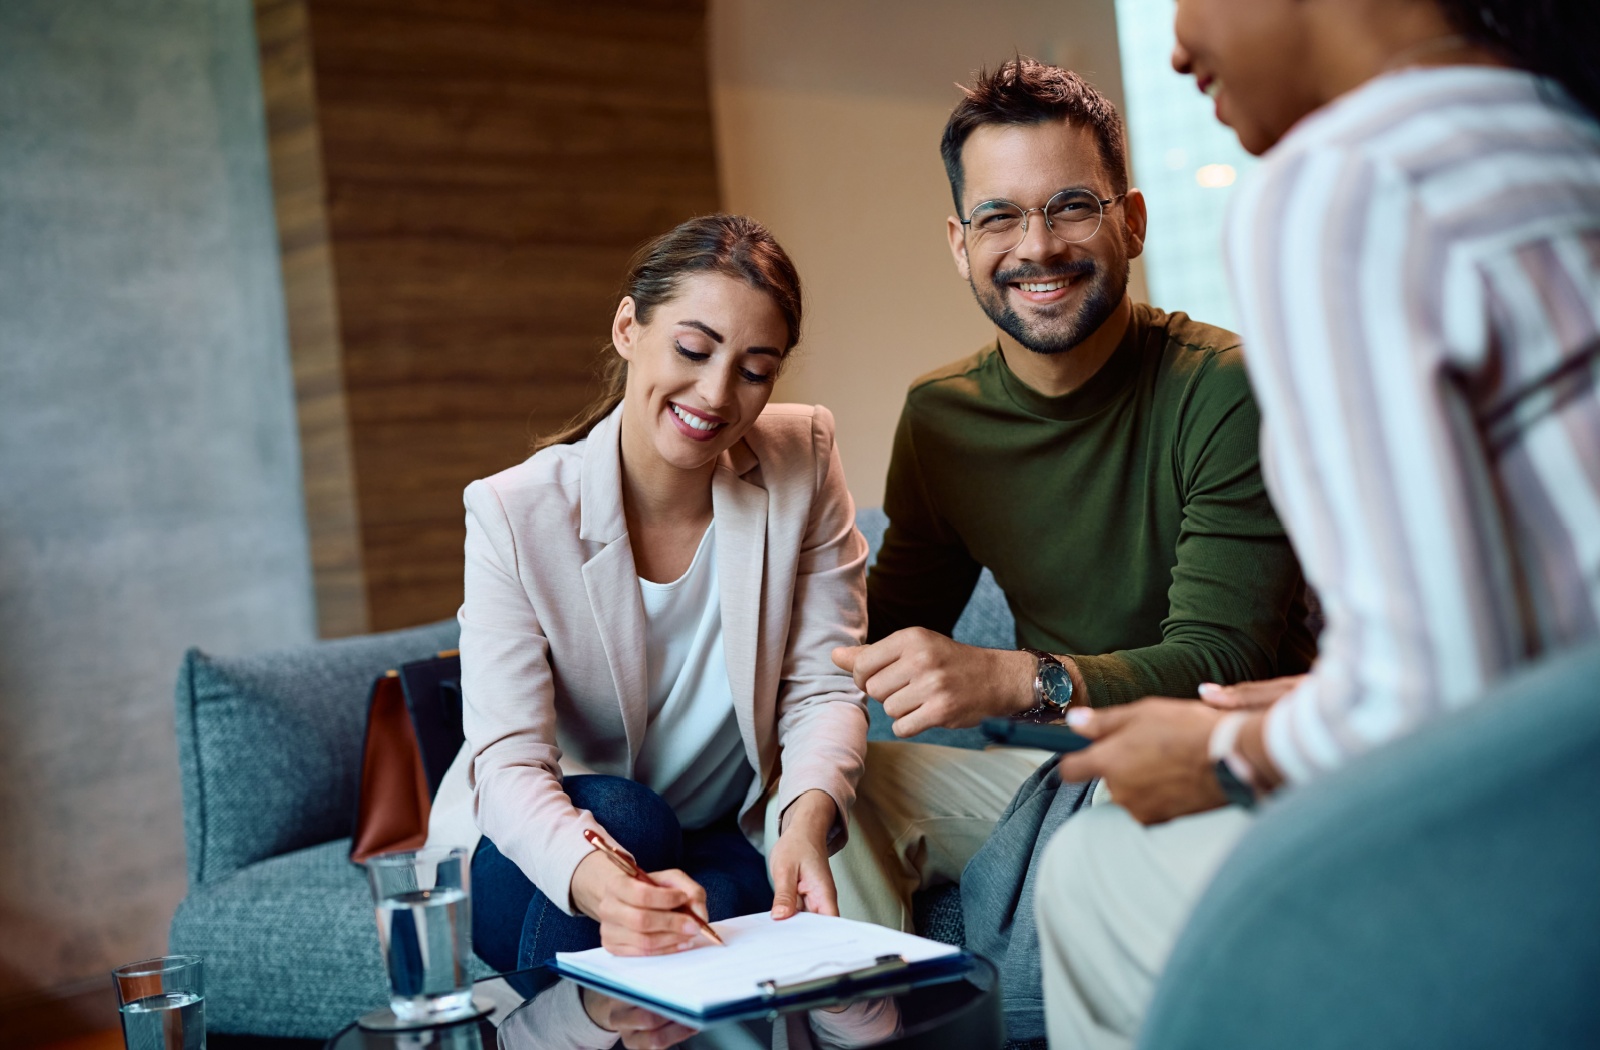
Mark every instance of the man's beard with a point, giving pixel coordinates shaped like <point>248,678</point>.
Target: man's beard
<point>1100,298</point>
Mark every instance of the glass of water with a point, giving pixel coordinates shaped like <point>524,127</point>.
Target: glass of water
<point>425,929</point>
<point>163,1003</point>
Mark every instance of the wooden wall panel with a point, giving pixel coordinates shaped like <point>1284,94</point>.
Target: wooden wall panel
<point>488,168</point>
<point>332,522</point>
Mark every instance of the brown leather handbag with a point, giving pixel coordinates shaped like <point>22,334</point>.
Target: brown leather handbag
<point>413,734</point>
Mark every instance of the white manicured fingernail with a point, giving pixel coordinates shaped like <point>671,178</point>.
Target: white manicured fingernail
<point>1210,690</point>
<point>1079,717</point>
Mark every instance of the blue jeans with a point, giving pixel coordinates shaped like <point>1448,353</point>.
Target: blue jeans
<point>515,926</point>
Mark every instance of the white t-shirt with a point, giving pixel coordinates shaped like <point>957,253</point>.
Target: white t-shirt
<point>692,756</point>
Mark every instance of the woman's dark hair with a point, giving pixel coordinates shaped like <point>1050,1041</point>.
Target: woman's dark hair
<point>732,245</point>
<point>1559,39</point>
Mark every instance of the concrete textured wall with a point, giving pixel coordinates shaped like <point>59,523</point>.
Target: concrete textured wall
<point>828,118</point>
<point>149,475</point>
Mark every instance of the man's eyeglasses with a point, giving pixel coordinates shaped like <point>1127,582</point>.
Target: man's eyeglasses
<point>1071,216</point>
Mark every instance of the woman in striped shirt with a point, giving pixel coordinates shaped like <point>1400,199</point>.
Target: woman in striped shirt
<point>1417,269</point>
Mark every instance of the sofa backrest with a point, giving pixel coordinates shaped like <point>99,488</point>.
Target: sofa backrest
<point>269,746</point>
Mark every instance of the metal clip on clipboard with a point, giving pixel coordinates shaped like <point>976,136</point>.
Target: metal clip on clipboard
<point>884,964</point>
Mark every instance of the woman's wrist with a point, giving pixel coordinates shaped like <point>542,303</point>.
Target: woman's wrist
<point>1252,745</point>
<point>812,815</point>
<point>588,886</point>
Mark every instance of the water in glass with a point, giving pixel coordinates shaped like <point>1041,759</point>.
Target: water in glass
<point>425,939</point>
<point>169,1021</point>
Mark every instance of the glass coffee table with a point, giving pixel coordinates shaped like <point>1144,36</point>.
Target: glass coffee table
<point>539,1009</point>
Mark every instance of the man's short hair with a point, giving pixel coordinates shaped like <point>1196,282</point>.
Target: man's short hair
<point>1023,92</point>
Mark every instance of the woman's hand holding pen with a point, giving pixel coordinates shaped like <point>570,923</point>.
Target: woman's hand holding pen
<point>635,917</point>
<point>801,879</point>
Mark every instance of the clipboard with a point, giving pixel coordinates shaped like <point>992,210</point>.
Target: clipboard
<point>879,980</point>
<point>769,966</point>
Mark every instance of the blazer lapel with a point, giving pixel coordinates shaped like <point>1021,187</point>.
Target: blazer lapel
<point>741,513</point>
<point>610,578</point>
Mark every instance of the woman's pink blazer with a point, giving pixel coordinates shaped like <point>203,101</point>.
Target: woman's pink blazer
<point>553,648</point>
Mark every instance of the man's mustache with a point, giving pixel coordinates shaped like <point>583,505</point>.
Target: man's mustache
<point>1031,273</point>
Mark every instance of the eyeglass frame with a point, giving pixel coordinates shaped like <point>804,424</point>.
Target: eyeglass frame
<point>1043,209</point>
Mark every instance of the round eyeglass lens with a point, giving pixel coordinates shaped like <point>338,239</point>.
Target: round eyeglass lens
<point>998,226</point>
<point>1071,216</point>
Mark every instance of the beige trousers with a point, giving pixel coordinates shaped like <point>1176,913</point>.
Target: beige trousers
<point>921,812</point>
<point>1120,893</point>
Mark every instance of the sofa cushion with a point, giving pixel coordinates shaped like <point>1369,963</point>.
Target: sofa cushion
<point>269,746</point>
<point>290,943</point>
<point>936,914</point>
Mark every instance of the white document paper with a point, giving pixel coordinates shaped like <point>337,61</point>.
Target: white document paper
<point>803,947</point>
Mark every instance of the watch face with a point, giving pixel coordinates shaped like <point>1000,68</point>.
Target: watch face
<point>1056,683</point>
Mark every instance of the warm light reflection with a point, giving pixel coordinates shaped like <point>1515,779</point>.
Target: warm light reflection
<point>1215,176</point>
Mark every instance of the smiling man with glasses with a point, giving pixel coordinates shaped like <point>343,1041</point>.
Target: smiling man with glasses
<point>1100,458</point>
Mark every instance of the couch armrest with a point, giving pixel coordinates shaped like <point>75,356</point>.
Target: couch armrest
<point>269,745</point>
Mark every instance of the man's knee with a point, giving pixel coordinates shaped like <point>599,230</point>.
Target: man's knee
<point>883,768</point>
<point>1065,883</point>
<point>1059,864</point>
<point>637,818</point>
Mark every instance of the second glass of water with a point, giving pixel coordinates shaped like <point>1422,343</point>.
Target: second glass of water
<point>163,1003</point>
<point>425,928</point>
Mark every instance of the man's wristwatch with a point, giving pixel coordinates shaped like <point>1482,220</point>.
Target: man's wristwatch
<point>1052,689</point>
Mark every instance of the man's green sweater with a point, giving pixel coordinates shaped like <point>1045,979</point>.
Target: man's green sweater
<point>1126,521</point>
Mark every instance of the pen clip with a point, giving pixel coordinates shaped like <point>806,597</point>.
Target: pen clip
<point>771,989</point>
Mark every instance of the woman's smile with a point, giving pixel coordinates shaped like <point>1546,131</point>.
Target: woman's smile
<point>697,426</point>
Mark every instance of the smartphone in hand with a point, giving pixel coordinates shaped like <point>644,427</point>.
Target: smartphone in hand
<point>1028,734</point>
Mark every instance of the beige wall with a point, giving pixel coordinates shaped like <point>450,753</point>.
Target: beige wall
<point>828,115</point>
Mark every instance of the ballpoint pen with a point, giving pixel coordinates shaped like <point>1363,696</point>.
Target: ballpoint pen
<point>627,865</point>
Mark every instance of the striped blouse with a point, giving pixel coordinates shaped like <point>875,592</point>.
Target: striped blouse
<point>1417,271</point>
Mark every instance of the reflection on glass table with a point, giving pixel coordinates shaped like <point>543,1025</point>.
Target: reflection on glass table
<point>539,1009</point>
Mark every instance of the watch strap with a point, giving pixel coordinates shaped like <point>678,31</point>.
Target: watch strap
<point>1234,789</point>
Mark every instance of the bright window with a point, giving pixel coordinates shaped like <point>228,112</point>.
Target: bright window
<point>1185,162</point>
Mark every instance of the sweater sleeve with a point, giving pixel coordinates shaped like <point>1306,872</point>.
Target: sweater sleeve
<point>1236,582</point>
<point>924,573</point>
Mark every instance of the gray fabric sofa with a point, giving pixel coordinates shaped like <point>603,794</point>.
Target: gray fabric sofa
<point>269,748</point>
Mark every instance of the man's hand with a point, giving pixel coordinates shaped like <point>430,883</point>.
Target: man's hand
<point>1249,696</point>
<point>1153,755</point>
<point>801,878</point>
<point>924,679</point>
